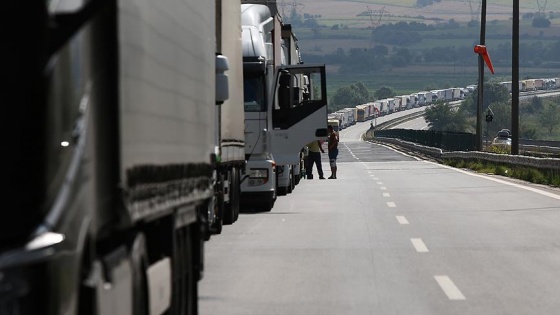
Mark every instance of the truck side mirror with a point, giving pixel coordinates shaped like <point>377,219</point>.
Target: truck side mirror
<point>222,81</point>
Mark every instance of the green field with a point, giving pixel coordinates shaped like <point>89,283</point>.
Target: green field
<point>415,81</point>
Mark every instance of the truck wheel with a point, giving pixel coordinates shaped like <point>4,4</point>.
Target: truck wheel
<point>139,259</point>
<point>267,207</point>
<point>228,217</point>
<point>185,282</point>
<point>236,189</point>
<point>292,182</point>
<point>86,295</point>
<point>216,226</point>
<point>282,191</point>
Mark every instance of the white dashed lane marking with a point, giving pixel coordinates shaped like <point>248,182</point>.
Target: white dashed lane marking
<point>383,188</point>
<point>419,245</point>
<point>402,219</point>
<point>449,288</point>
<point>379,183</point>
<point>391,204</point>
<point>386,195</point>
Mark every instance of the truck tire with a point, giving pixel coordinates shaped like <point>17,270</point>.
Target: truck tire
<point>185,279</point>
<point>139,260</point>
<point>216,226</point>
<point>236,188</point>
<point>282,191</point>
<point>267,207</point>
<point>86,295</point>
<point>229,208</point>
<point>292,182</point>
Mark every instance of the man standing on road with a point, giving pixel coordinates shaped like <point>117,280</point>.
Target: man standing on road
<point>314,156</point>
<point>333,150</point>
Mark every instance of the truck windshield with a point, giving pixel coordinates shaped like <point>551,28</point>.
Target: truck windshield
<point>253,94</point>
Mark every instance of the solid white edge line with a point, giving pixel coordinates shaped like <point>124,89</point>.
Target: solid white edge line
<point>402,219</point>
<point>449,288</point>
<point>400,152</point>
<point>497,180</point>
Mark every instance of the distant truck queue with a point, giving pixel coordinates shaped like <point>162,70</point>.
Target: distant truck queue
<point>371,110</point>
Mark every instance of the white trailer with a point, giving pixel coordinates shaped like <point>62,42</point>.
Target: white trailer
<point>507,85</point>
<point>391,105</point>
<point>112,189</point>
<point>398,103</point>
<point>414,100</point>
<point>438,95</point>
<point>383,107</point>
<point>456,94</point>
<point>230,114</point>
<point>405,102</point>
<point>425,98</point>
<point>351,114</point>
<point>343,118</point>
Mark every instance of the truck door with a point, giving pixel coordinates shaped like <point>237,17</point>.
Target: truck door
<point>299,114</point>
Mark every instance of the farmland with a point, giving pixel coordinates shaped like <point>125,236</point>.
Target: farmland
<point>342,27</point>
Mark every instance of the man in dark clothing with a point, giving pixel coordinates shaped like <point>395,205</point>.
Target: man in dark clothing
<point>333,150</point>
<point>314,157</point>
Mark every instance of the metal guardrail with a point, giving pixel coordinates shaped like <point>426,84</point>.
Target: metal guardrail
<point>528,145</point>
<point>515,160</point>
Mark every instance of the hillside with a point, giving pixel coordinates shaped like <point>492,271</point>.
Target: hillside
<point>460,10</point>
<point>414,48</point>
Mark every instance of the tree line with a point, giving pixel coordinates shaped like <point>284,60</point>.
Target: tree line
<point>539,118</point>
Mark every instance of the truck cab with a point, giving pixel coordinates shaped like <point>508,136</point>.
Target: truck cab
<point>285,105</point>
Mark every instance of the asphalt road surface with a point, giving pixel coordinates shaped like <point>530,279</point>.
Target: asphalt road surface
<point>392,235</point>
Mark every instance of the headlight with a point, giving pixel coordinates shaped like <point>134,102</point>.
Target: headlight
<point>258,173</point>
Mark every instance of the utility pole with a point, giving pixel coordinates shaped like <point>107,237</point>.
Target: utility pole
<point>479,109</point>
<point>515,81</point>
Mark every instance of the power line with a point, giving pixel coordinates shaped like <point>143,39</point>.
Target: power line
<point>375,20</point>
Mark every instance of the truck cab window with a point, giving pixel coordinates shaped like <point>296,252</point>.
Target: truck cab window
<point>253,94</point>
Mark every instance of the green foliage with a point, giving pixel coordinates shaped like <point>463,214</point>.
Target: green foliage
<point>502,170</point>
<point>384,92</point>
<point>349,96</point>
<point>499,149</point>
<point>535,106</point>
<point>541,22</point>
<point>550,118</point>
<point>532,175</point>
<point>502,117</point>
<point>529,174</point>
<point>493,93</point>
<point>442,117</point>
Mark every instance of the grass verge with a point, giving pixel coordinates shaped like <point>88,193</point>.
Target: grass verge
<point>533,175</point>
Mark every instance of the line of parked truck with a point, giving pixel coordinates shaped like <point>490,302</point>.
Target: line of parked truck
<point>348,116</point>
<point>137,130</point>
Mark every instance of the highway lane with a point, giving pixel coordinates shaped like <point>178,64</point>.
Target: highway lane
<point>419,123</point>
<point>354,133</point>
<point>392,235</point>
